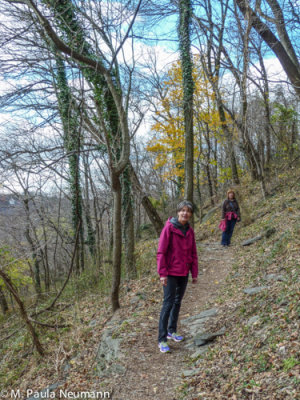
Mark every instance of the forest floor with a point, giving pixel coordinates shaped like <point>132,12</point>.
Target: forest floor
<point>154,375</point>
<point>256,290</point>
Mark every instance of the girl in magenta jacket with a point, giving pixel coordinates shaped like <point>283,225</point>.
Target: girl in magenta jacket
<point>176,257</point>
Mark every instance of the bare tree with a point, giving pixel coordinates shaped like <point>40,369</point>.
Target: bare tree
<point>211,50</point>
<point>282,47</point>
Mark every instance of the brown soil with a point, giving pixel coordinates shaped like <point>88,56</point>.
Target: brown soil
<point>154,375</point>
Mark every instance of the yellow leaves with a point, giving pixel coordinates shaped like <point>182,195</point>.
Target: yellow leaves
<point>160,161</point>
<point>155,148</point>
<point>168,145</point>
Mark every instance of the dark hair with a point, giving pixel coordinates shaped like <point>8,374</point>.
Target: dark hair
<point>185,203</point>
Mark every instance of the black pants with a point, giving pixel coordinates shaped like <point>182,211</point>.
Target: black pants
<point>226,236</point>
<point>173,294</point>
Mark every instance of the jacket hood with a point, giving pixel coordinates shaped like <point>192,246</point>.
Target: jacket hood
<point>177,227</point>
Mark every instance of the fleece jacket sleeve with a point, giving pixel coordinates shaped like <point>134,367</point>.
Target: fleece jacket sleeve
<point>163,245</point>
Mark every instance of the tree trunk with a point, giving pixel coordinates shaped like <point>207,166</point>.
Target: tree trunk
<point>266,95</point>
<point>211,63</point>
<point>128,225</point>
<point>229,143</point>
<point>36,263</point>
<point>29,326</point>
<point>109,104</point>
<point>152,214</point>
<point>150,210</point>
<point>287,63</point>
<point>294,137</point>
<point>246,58</point>
<point>199,190</point>
<point>44,251</point>
<point>209,181</point>
<point>90,231</point>
<point>185,14</point>
<point>3,302</point>
<point>98,226</point>
<point>117,240</point>
<point>129,244</point>
<point>70,121</point>
<point>246,148</point>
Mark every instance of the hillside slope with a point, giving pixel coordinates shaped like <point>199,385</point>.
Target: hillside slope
<point>255,357</point>
<point>258,357</point>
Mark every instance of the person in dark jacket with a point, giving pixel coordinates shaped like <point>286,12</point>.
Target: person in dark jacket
<point>231,214</point>
<point>176,257</point>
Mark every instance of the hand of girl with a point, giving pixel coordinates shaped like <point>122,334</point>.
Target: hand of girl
<point>164,281</point>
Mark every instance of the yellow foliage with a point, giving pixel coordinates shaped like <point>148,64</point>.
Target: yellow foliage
<point>168,143</point>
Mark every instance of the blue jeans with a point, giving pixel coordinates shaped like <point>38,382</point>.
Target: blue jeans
<point>226,235</point>
<point>173,294</point>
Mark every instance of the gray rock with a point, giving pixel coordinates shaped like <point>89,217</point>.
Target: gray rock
<point>197,322</point>
<point>93,322</point>
<point>203,338</point>
<point>109,347</point>
<point>253,319</point>
<point>269,232</point>
<point>66,368</point>
<point>190,372</point>
<point>135,299</point>
<point>108,353</point>
<point>197,329</point>
<point>189,345</point>
<point>255,290</point>
<point>199,341</point>
<point>115,369</point>
<point>200,351</point>
<point>251,241</point>
<point>275,277</point>
<point>203,315</point>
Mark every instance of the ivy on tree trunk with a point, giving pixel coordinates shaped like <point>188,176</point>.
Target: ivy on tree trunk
<point>70,120</point>
<point>185,14</point>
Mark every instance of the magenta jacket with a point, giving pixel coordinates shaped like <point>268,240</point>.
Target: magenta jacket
<point>176,254</point>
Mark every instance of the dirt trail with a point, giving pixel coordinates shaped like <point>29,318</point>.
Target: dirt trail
<point>151,374</point>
